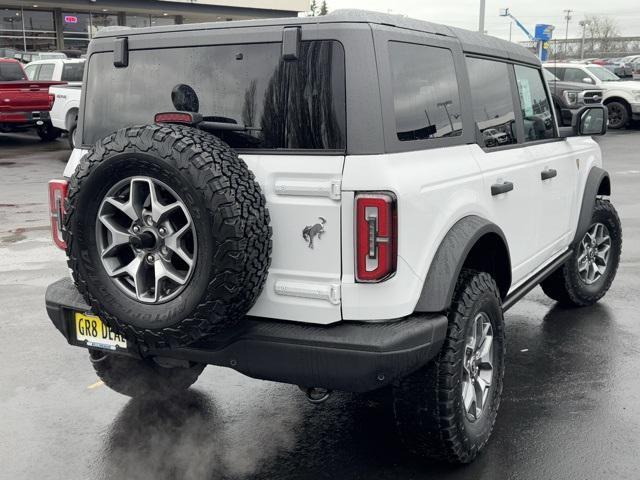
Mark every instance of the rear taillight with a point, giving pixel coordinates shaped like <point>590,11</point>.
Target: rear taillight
<point>57,196</point>
<point>376,236</point>
<point>174,117</point>
<point>52,99</point>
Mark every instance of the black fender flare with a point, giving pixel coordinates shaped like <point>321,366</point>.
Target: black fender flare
<point>439,285</point>
<point>598,183</point>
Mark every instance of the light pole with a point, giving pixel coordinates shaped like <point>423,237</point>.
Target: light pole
<point>566,33</point>
<point>583,24</point>
<point>445,104</point>
<point>481,21</point>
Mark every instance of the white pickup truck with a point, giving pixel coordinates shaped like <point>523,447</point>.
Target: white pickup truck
<point>64,114</point>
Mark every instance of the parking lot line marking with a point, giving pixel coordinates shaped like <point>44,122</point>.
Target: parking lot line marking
<point>95,385</point>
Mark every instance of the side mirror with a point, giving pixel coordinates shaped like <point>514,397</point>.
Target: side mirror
<point>588,121</point>
<point>587,80</point>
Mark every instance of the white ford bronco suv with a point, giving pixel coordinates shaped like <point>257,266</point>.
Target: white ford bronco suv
<point>317,201</point>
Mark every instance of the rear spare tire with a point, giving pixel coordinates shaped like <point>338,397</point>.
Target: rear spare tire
<point>167,233</point>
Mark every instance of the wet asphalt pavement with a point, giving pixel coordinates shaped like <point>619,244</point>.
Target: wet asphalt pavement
<point>570,408</point>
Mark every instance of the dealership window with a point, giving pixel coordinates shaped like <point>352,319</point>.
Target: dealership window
<point>138,21</point>
<point>159,20</point>
<point>425,92</point>
<point>102,20</point>
<point>30,29</point>
<point>76,28</point>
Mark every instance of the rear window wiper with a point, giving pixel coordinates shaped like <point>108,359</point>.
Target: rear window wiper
<point>224,126</point>
<point>209,124</point>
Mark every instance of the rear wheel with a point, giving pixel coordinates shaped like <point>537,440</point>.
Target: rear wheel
<point>618,115</point>
<point>587,275</point>
<point>139,377</point>
<point>446,410</point>
<point>47,132</point>
<point>70,135</point>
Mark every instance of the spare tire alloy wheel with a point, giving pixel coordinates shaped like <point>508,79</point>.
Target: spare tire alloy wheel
<point>146,239</point>
<point>167,234</point>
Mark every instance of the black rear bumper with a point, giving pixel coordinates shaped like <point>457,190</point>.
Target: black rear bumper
<point>348,356</point>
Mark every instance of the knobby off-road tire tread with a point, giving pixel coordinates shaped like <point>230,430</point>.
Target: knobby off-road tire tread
<point>565,286</point>
<point>232,196</point>
<point>137,377</point>
<point>427,410</point>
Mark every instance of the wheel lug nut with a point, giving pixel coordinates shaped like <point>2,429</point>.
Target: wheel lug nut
<point>151,258</point>
<point>162,231</point>
<point>136,229</point>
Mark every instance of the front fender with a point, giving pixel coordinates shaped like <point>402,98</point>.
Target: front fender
<point>598,183</point>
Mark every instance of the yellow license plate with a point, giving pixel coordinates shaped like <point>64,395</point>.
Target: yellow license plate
<point>91,330</point>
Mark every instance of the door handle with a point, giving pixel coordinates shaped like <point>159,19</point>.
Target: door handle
<point>548,173</point>
<point>498,188</point>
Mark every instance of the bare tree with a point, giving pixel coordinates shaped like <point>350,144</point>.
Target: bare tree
<point>602,31</point>
<point>313,8</point>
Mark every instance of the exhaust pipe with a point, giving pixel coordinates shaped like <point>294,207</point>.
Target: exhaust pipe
<point>316,395</point>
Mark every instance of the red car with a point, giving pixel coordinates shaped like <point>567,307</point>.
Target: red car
<point>24,104</point>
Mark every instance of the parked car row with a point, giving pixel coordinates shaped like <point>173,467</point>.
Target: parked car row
<point>25,104</point>
<point>622,98</point>
<point>28,94</point>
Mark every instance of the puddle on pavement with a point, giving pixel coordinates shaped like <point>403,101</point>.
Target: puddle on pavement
<point>19,234</point>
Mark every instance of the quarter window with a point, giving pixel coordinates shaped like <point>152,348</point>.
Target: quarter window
<point>536,108</point>
<point>46,71</point>
<point>425,92</point>
<point>493,109</point>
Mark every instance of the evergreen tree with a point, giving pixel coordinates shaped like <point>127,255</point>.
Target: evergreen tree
<point>323,8</point>
<point>314,8</point>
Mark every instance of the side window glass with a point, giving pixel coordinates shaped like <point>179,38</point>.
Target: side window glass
<point>425,92</point>
<point>31,71</point>
<point>493,109</point>
<point>575,75</point>
<point>46,71</point>
<point>536,108</point>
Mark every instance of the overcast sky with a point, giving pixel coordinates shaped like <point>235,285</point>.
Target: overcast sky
<point>464,13</point>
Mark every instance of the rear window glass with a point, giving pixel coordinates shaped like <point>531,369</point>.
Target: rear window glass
<point>287,105</point>
<point>425,92</point>
<point>11,72</point>
<point>72,72</point>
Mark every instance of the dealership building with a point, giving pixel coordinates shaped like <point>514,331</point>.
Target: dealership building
<point>45,25</point>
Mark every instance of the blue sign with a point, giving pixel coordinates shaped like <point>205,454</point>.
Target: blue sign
<point>544,32</point>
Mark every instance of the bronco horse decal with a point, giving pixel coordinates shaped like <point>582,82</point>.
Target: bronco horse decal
<point>316,230</point>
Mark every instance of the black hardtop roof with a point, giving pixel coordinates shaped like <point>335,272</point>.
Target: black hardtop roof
<point>472,42</point>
